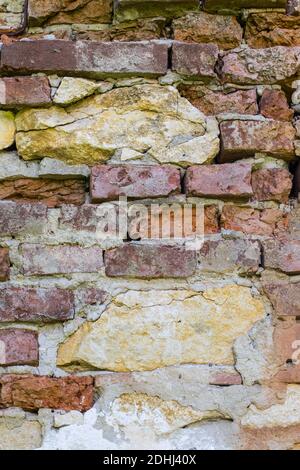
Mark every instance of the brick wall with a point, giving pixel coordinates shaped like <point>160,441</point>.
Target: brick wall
<point>141,341</point>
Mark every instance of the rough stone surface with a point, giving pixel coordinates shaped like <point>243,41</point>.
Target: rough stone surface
<point>18,347</point>
<point>130,9</point>
<point>274,105</point>
<point>225,181</point>
<point>4,264</point>
<point>17,219</point>
<point>68,11</point>
<point>196,60</point>
<point>51,192</point>
<point>34,392</point>
<point>224,31</point>
<point>229,255</point>
<point>109,182</point>
<point>93,59</point>
<point>245,138</point>
<point>285,297</point>
<point>7,129</point>
<point>45,260</point>
<point>214,103</point>
<point>74,89</point>
<point>150,261</point>
<point>235,5</point>
<point>274,184</point>
<point>181,318</point>
<point>268,29</point>
<point>283,255</point>
<point>158,122</point>
<point>250,221</point>
<point>24,91</point>
<point>247,66</point>
<point>293,7</point>
<point>18,434</point>
<point>27,304</point>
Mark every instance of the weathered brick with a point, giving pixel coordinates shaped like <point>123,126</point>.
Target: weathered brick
<point>33,392</point>
<point>18,347</point>
<point>69,12</point>
<point>225,379</point>
<point>251,221</point>
<point>36,304</point>
<point>221,256</point>
<point>91,296</point>
<point>285,297</point>
<point>62,259</point>
<point>268,29</point>
<point>95,59</point>
<point>214,103</point>
<point>286,345</point>
<point>274,105</point>
<point>283,255</point>
<point>4,264</point>
<point>196,60</point>
<point>293,7</point>
<point>202,27</point>
<point>126,10</point>
<point>273,184</point>
<point>108,182</point>
<point>245,138</point>
<point>150,261</point>
<point>248,66</point>
<point>17,219</point>
<point>51,192</point>
<point>24,91</point>
<point>234,5</point>
<point>225,181</point>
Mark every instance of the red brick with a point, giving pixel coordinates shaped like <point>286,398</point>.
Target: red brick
<point>95,59</point>
<point>4,264</point>
<point>274,105</point>
<point>196,60</point>
<point>273,184</point>
<point>211,220</point>
<point>283,255</point>
<point>251,221</point>
<point>27,304</point>
<point>91,296</point>
<point>225,181</point>
<point>62,259</point>
<point>108,182</point>
<point>221,256</point>
<point>213,103</point>
<point>150,261</point>
<point>225,379</point>
<point>24,91</point>
<point>287,350</point>
<point>18,347</point>
<point>18,219</point>
<point>245,138</point>
<point>284,296</point>
<point>201,27</point>
<point>51,192</point>
<point>32,392</point>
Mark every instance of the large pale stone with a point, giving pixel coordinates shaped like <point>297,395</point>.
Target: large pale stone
<point>149,119</point>
<point>283,414</point>
<point>7,129</point>
<point>74,89</point>
<point>18,434</point>
<point>144,330</point>
<point>143,414</point>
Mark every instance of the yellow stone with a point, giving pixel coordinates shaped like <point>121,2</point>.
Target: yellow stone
<point>18,434</point>
<point>145,330</point>
<point>7,129</point>
<point>149,119</point>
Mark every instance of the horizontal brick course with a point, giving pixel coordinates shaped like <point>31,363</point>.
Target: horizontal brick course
<point>251,221</point>
<point>150,261</point>
<point>27,304</point>
<point>18,347</point>
<point>108,182</point>
<point>32,392</point>
<point>63,259</point>
<point>95,59</point>
<point>24,91</point>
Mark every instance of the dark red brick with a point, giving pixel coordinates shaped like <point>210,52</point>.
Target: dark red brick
<point>196,60</point>
<point>26,304</point>
<point>272,184</point>
<point>284,296</point>
<point>18,347</point>
<point>18,219</point>
<point>283,255</point>
<point>24,91</point>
